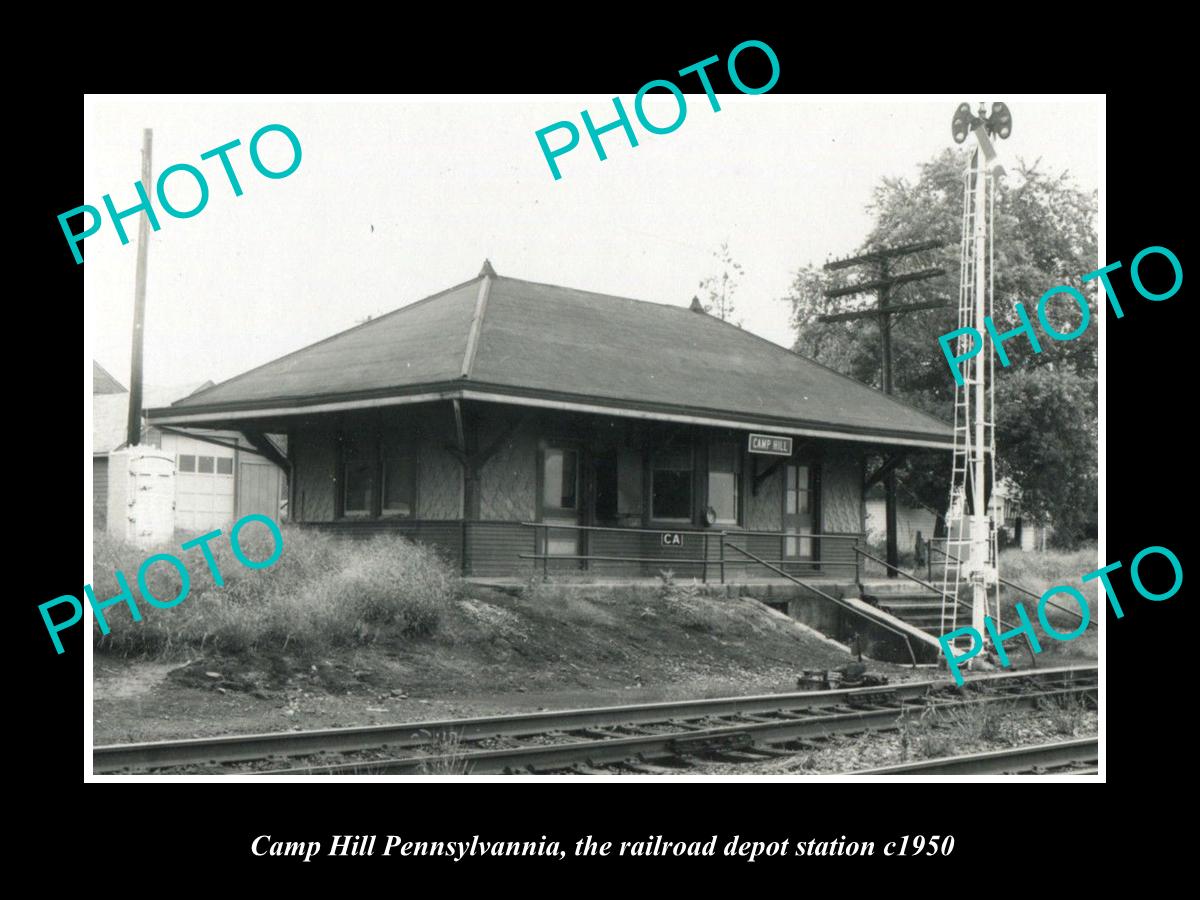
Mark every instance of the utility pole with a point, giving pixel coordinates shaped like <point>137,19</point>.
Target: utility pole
<point>133,434</point>
<point>882,285</point>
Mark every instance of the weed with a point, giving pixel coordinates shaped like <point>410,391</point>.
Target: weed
<point>323,592</point>
<point>1068,714</point>
<point>977,721</point>
<point>446,755</point>
<point>666,584</point>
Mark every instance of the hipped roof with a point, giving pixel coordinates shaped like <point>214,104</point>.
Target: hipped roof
<point>506,340</point>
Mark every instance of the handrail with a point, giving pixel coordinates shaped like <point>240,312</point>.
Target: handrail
<point>564,526</point>
<point>682,560</point>
<point>696,561</point>
<point>845,535</point>
<point>925,584</point>
<point>1017,587</point>
<point>725,531</point>
<point>831,598</point>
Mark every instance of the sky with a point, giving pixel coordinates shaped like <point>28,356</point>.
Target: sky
<point>398,198</point>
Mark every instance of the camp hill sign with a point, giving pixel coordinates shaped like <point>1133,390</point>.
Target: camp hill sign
<point>771,445</point>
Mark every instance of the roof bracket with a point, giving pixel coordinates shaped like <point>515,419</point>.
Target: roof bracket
<point>266,447</point>
<point>760,477</point>
<point>887,466</point>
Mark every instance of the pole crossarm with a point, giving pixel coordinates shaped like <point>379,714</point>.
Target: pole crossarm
<point>882,284</point>
<point>864,313</point>
<point>886,282</point>
<point>882,254</point>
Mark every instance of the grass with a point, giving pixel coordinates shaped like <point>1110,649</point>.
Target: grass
<point>932,733</point>
<point>686,604</point>
<point>1068,714</point>
<point>446,756</point>
<point>1038,571</point>
<point>322,593</point>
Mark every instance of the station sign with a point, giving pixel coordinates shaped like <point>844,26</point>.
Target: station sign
<point>771,445</point>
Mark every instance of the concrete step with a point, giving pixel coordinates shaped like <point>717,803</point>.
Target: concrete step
<point>899,586</point>
<point>922,601</point>
<point>918,608</point>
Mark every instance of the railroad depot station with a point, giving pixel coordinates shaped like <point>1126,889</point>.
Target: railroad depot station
<point>525,428</point>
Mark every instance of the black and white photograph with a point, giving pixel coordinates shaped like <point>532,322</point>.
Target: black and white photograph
<point>531,437</point>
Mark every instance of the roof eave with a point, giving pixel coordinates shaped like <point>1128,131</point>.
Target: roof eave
<point>227,415</point>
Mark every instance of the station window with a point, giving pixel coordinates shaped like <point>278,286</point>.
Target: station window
<point>399,478</point>
<point>724,480</point>
<point>224,465</point>
<point>560,478</point>
<point>187,462</point>
<point>671,485</point>
<point>379,474</point>
<point>605,473</point>
<point>629,486</point>
<point>618,477</point>
<point>358,466</point>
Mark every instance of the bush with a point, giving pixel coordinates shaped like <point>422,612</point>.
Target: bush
<point>322,592</point>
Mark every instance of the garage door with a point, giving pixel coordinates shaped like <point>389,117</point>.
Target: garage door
<point>203,491</point>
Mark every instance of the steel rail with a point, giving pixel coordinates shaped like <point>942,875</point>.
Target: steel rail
<point>996,762</point>
<point>606,751</point>
<point>244,748</point>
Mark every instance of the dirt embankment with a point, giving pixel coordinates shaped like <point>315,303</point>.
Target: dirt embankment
<point>547,648</point>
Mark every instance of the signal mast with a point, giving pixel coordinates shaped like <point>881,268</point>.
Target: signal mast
<point>971,551</point>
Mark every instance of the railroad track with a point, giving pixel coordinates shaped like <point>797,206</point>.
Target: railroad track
<point>639,737</point>
<point>1068,757</point>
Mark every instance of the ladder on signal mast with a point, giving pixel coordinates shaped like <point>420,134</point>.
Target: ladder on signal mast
<point>970,560</point>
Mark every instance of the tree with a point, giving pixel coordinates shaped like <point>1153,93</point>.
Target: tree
<point>721,287</point>
<point>1048,423</point>
<point>1045,236</point>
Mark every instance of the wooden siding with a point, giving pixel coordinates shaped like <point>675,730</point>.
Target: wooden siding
<point>494,548</point>
<point>100,492</point>
<point>314,455</point>
<point>314,458</point>
<point>615,543</point>
<point>508,481</point>
<point>841,490</point>
<point>439,480</point>
<point>764,510</point>
<point>491,545</point>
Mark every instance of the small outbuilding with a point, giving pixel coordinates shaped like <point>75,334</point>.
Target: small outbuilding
<point>219,475</point>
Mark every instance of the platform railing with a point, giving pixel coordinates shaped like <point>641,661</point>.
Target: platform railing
<point>1092,623</point>
<point>832,599</point>
<point>925,584</point>
<point>1003,625</point>
<point>707,538</point>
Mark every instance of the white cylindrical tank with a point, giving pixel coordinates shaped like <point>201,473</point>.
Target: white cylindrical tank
<point>141,495</point>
